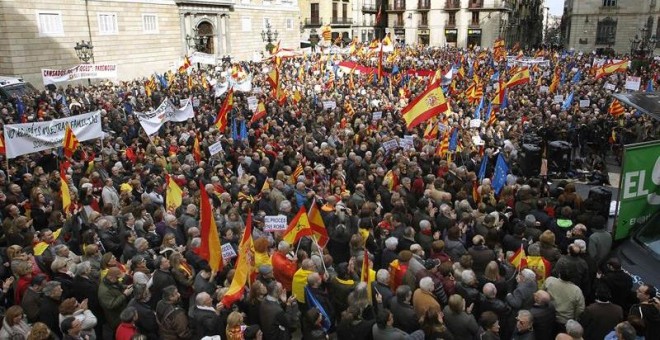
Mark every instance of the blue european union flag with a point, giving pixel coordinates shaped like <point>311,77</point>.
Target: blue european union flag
<point>395,69</point>
<point>313,302</point>
<point>482,168</point>
<point>568,102</point>
<point>162,81</point>
<point>563,78</point>
<point>453,141</point>
<point>649,87</point>
<point>234,129</point>
<point>243,135</point>
<point>501,170</point>
<point>477,112</point>
<point>20,108</point>
<point>495,77</point>
<point>577,77</point>
<point>489,111</point>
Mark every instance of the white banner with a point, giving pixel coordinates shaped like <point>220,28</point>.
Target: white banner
<point>21,139</point>
<point>202,58</point>
<point>215,148</point>
<point>609,86</point>
<point>166,112</point>
<point>633,83</point>
<point>390,144</point>
<point>83,71</point>
<point>221,88</point>
<point>242,85</point>
<point>275,223</point>
<point>329,104</point>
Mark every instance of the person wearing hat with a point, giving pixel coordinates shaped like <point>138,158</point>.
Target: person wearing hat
<point>113,297</point>
<point>265,274</point>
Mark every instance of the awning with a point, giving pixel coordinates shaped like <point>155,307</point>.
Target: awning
<point>648,103</point>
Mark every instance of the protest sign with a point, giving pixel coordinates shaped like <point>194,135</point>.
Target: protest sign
<point>202,58</point>
<point>390,144</point>
<point>558,99</point>
<point>475,123</point>
<point>584,102</point>
<point>275,223</point>
<point>609,86</point>
<point>543,89</point>
<point>83,71</point>
<point>21,139</point>
<point>329,104</point>
<point>166,112</point>
<point>633,83</point>
<point>228,251</point>
<point>215,148</point>
<point>252,103</point>
<point>377,115</point>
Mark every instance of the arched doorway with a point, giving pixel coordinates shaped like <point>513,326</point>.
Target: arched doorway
<point>205,34</point>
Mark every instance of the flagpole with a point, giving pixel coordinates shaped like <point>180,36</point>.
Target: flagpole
<point>321,250</point>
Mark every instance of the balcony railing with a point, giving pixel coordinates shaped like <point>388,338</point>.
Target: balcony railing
<point>313,22</point>
<point>369,8</point>
<point>423,24</point>
<point>453,5</point>
<point>476,4</point>
<point>450,23</point>
<point>398,23</point>
<point>341,21</point>
<point>474,23</point>
<point>424,5</point>
<point>397,6</point>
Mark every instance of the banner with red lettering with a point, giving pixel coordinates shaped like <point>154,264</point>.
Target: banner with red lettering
<point>83,71</point>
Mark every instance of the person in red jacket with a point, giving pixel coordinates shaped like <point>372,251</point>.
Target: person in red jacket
<point>126,328</point>
<point>283,267</point>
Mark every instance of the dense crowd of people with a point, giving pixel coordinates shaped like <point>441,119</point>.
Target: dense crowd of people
<point>440,240</point>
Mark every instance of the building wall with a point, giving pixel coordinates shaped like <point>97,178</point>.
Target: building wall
<point>325,17</point>
<point>583,16</point>
<point>24,51</point>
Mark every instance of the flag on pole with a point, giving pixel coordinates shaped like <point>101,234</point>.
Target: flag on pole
<point>261,113</point>
<point>519,258</point>
<point>606,70</point>
<point>501,170</point>
<point>222,118</point>
<point>483,167</point>
<point>311,301</point>
<point>298,227</point>
<point>70,142</point>
<point>243,267</point>
<point>568,102</point>
<point>366,273</point>
<point>186,65</point>
<point>64,190</point>
<point>430,103</point>
<point>173,194</point>
<point>522,77</point>
<point>616,109</point>
<point>197,151</point>
<point>318,226</point>
<point>210,248</point>
<point>649,87</point>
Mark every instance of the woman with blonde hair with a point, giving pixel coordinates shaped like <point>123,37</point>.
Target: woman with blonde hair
<point>14,326</point>
<point>108,261</point>
<point>492,275</point>
<point>40,332</point>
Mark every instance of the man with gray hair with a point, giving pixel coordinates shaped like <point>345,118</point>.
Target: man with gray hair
<point>624,331</point>
<point>284,267</point>
<point>423,298</point>
<point>524,322</point>
<point>389,253</point>
<point>468,288</point>
<point>146,322</point>
<point>490,302</point>
<point>189,218</point>
<point>523,296</point>
<point>425,236</point>
<point>205,318</point>
<point>50,306</point>
<point>382,286</point>
<point>574,329</point>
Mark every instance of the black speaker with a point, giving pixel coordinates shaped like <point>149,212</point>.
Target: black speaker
<point>559,156</point>
<point>599,200</point>
<point>531,138</point>
<point>529,160</point>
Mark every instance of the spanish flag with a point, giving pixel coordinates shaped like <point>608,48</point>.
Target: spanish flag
<point>186,65</point>
<point>605,70</point>
<point>616,109</point>
<point>366,274</point>
<point>70,142</point>
<point>431,130</point>
<point>64,190</point>
<point>210,249</point>
<point>197,151</point>
<point>393,180</point>
<point>429,104</point>
<point>173,194</point>
<point>318,226</point>
<point>227,105</point>
<point>297,97</point>
<point>261,113</point>
<point>519,258</point>
<point>499,43</point>
<point>298,227</point>
<point>522,77</point>
<point>555,81</point>
<point>244,265</point>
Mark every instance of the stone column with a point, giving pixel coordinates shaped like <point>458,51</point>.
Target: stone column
<point>182,21</point>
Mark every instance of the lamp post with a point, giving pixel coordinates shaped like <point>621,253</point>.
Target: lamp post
<point>642,45</point>
<point>313,39</point>
<point>269,36</point>
<point>198,42</point>
<point>85,52</point>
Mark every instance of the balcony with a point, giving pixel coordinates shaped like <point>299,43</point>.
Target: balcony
<point>452,5</point>
<point>369,9</point>
<point>450,23</point>
<point>341,22</point>
<point>398,24</point>
<point>474,24</point>
<point>313,22</point>
<point>423,5</point>
<point>397,6</point>
<point>423,24</point>
<point>476,4</point>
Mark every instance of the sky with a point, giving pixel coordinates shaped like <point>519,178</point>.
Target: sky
<point>556,6</point>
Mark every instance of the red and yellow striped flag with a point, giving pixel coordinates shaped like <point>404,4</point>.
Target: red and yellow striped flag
<point>210,248</point>
<point>243,268</point>
<point>261,113</point>
<point>64,190</point>
<point>221,120</point>
<point>616,109</point>
<point>298,227</point>
<point>522,77</point>
<point>320,233</point>
<point>197,151</point>
<point>430,103</point>
<point>70,142</point>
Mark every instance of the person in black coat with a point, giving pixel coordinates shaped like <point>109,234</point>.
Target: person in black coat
<point>619,283</point>
<point>206,319</point>
<point>278,315</point>
<point>490,302</point>
<point>405,318</point>
<point>162,277</point>
<point>50,307</point>
<point>353,327</point>
<point>544,316</point>
<point>83,287</point>
<point>146,322</point>
<point>381,286</point>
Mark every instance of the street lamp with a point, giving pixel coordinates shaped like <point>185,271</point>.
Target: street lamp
<point>643,45</point>
<point>84,51</point>
<point>268,36</point>
<point>313,39</point>
<point>198,42</point>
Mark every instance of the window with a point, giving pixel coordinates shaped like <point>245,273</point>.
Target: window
<point>609,3</point>
<point>344,11</point>
<point>475,18</point>
<point>289,24</point>
<point>267,22</point>
<point>246,24</point>
<point>452,19</point>
<point>606,31</point>
<point>334,11</point>
<point>424,19</point>
<point>150,23</point>
<point>50,23</point>
<point>108,23</point>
